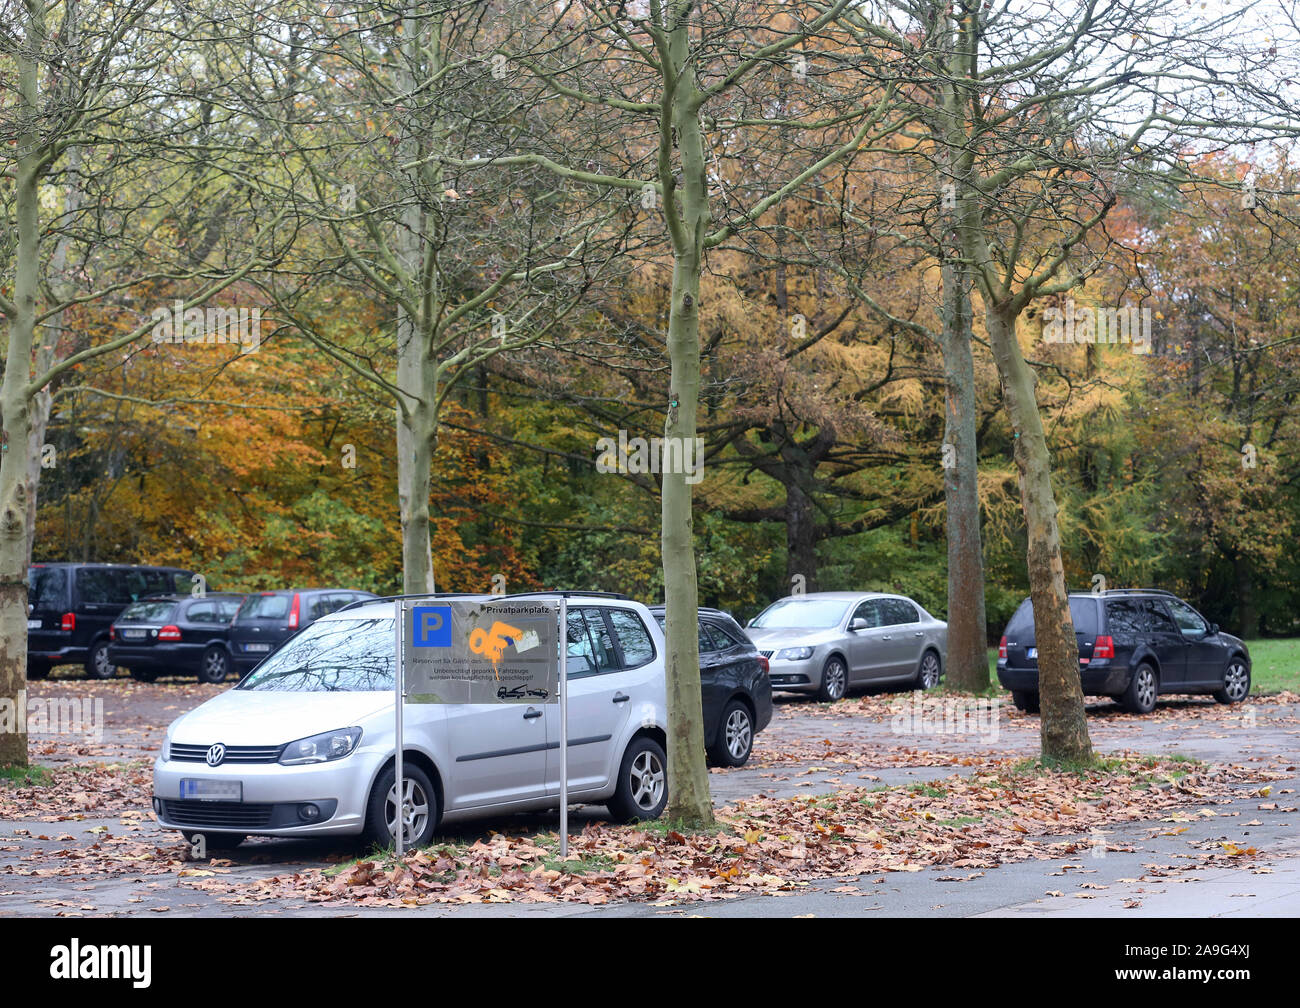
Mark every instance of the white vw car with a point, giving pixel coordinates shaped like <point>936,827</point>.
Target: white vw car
<point>304,745</point>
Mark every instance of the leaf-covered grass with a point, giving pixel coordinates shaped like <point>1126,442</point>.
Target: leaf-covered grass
<point>28,776</point>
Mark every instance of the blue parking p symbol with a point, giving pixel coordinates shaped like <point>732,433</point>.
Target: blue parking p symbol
<point>432,626</point>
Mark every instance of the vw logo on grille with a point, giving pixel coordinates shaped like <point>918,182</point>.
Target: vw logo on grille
<point>216,754</point>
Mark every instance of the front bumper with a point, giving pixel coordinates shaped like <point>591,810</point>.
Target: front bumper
<point>803,676</point>
<point>272,796</point>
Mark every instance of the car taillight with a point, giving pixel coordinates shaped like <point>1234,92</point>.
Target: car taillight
<point>293,614</point>
<point>169,633</point>
<point>766,667</point>
<point>1002,647</point>
<point>69,621</point>
<point>112,635</point>
<point>1104,648</point>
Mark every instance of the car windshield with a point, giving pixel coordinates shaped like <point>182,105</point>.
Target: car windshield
<point>811,614</point>
<point>331,656</point>
<point>147,612</point>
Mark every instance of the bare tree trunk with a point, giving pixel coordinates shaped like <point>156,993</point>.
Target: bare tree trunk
<point>1063,725</point>
<point>800,534</point>
<point>968,667</point>
<point>688,790</point>
<point>14,405</point>
<point>416,376</point>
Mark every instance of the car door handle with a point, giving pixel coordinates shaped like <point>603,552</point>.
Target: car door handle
<point>531,713</point>
<point>918,633</point>
<point>621,698</point>
<point>885,637</point>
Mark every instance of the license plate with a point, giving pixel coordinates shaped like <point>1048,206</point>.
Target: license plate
<point>257,647</point>
<point>213,790</point>
<point>132,634</point>
<point>1032,653</point>
<point>33,624</point>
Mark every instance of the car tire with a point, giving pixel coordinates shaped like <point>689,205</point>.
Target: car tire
<point>735,739</point>
<point>1236,682</point>
<point>1025,700</point>
<point>929,672</point>
<point>381,809</point>
<point>642,788</point>
<point>97,664</point>
<point>215,665</point>
<point>1143,688</point>
<point>143,675</point>
<point>214,841</point>
<point>37,670</point>
<point>835,679</point>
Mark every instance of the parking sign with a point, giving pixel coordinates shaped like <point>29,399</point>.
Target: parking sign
<point>501,651</point>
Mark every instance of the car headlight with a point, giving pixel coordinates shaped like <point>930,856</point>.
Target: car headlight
<point>795,653</point>
<point>321,748</point>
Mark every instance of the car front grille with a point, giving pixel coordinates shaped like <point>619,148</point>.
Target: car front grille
<point>217,814</point>
<point>766,654</point>
<point>183,753</point>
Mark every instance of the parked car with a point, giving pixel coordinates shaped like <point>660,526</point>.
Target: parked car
<point>826,643</point>
<point>304,745</point>
<point>175,633</point>
<point>268,619</point>
<point>735,690</point>
<point>70,607</point>
<point>1133,646</point>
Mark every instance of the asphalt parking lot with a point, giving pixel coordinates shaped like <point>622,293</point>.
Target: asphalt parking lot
<point>93,852</point>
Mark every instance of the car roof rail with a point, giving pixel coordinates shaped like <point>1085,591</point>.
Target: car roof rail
<point>1127,591</point>
<point>454,595</point>
<point>708,610</point>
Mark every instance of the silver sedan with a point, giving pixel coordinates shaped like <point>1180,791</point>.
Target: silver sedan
<point>827,642</point>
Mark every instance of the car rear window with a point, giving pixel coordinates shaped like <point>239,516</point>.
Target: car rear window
<point>264,607</point>
<point>47,587</point>
<point>147,612</point>
<point>1083,614</point>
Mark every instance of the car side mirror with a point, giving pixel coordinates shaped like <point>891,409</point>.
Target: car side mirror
<point>1214,628</point>
<point>858,623</point>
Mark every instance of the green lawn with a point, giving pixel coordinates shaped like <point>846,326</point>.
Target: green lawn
<point>1274,664</point>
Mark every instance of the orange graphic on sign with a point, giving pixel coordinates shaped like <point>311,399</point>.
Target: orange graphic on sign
<point>491,644</point>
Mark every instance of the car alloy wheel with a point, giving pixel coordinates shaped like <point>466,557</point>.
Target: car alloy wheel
<point>642,789</point>
<point>99,666</point>
<point>1236,681</point>
<point>647,780</point>
<point>1146,687</point>
<point>835,678</point>
<point>928,677</point>
<point>415,811</point>
<point>216,666</point>
<point>1140,697</point>
<point>740,734</point>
